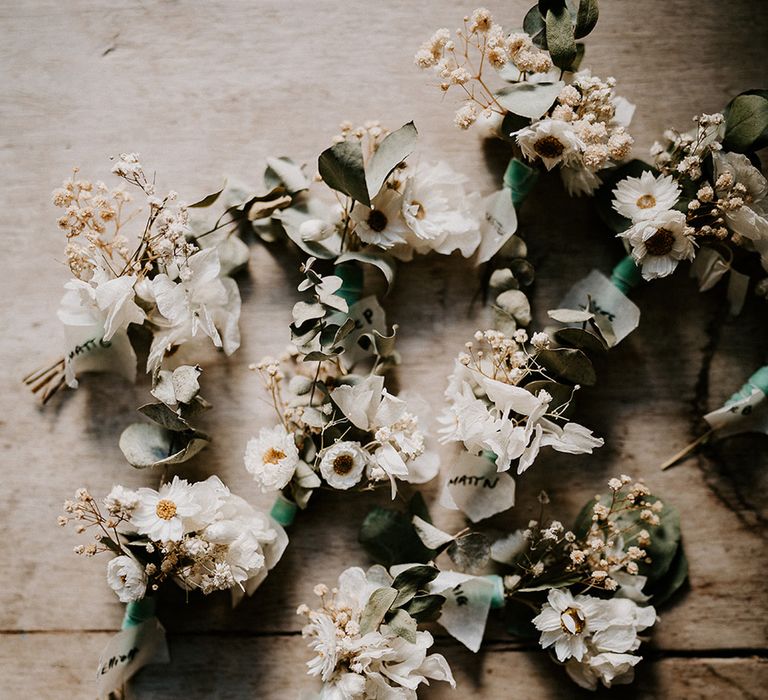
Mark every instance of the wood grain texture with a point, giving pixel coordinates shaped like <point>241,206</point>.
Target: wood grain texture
<point>210,89</point>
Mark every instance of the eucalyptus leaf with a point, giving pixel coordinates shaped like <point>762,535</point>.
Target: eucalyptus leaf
<point>283,171</point>
<point>389,538</point>
<point>164,416</point>
<point>425,608</point>
<point>303,312</point>
<point>148,445</point>
<point>377,607</point>
<point>580,339</point>
<point>403,625</point>
<point>746,123</point>
<point>470,552</point>
<point>208,200</point>
<point>370,256</point>
<point>531,100</point>
<point>392,151</point>
<point>184,380</point>
<point>535,27</point>
<point>586,18</point>
<point>293,217</point>
<point>569,364</point>
<point>570,315</point>
<point>409,582</point>
<point>560,39</point>
<point>518,619</point>
<point>431,536</point>
<point>672,581</point>
<point>342,169</point>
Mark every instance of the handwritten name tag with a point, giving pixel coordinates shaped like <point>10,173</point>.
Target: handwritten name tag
<point>465,610</point>
<point>87,351</point>
<point>368,317</point>
<point>499,224</point>
<point>127,652</point>
<point>476,488</point>
<point>607,301</point>
<point>747,415</point>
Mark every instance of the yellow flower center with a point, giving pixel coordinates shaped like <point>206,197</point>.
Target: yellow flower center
<point>646,201</point>
<point>549,147</point>
<point>661,242</point>
<point>377,220</point>
<point>273,456</point>
<point>165,509</point>
<point>572,621</point>
<point>343,464</point>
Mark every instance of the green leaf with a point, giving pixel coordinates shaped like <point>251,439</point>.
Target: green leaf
<point>672,581</point>
<point>208,199</point>
<point>425,608</point>
<point>534,25</point>
<point>389,538</point>
<point>409,582</point>
<point>580,339</point>
<point>370,256</point>
<point>570,315</point>
<point>560,40</point>
<point>164,416</point>
<point>530,100</point>
<point>586,18</point>
<point>377,607</point>
<point>604,196</point>
<point>470,552</point>
<point>109,543</point>
<point>148,445</point>
<point>561,393</point>
<point>511,124</point>
<point>284,172</point>
<point>403,625</point>
<point>292,219</point>
<point>518,619</point>
<point>569,364</point>
<point>746,123</point>
<point>303,312</point>
<point>342,169</point>
<point>392,151</point>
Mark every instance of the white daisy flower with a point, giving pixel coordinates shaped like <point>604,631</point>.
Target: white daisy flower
<point>126,578</point>
<point>658,244</point>
<point>552,140</point>
<point>343,464</point>
<point>272,458</point>
<point>645,197</point>
<point>567,621</point>
<point>161,515</point>
<point>382,223</point>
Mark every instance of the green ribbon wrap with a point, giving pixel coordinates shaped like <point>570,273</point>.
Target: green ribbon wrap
<point>497,601</point>
<point>283,510</point>
<point>138,611</point>
<point>519,178</point>
<point>626,275</point>
<point>351,281</point>
<point>759,380</point>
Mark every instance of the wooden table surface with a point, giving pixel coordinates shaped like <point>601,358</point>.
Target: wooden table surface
<point>208,89</point>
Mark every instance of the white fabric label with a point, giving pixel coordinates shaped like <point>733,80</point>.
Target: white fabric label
<point>127,652</point>
<point>465,610</point>
<point>87,351</point>
<point>747,415</point>
<point>499,224</point>
<point>607,301</point>
<point>368,317</point>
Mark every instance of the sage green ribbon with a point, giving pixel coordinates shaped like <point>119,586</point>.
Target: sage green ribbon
<point>519,178</point>
<point>497,600</point>
<point>138,611</point>
<point>626,275</point>
<point>351,281</point>
<point>283,510</point>
<point>759,380</point>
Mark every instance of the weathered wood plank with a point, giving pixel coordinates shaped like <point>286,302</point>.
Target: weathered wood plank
<point>206,90</point>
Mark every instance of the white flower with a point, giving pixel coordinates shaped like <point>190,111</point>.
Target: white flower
<point>121,499</point>
<point>441,214</point>
<point>126,578</point>
<point>610,668</point>
<point>379,664</point>
<point>199,302</point>
<point>552,140</point>
<point>272,458</point>
<point>642,198</point>
<point>567,621</point>
<point>343,464</point>
<point>382,223</point>
<point>165,514</point>
<point>658,244</point>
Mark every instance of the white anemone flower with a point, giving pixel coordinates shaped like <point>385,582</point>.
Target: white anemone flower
<point>658,244</point>
<point>382,224</point>
<point>199,303</point>
<point>126,577</point>
<point>645,197</point>
<point>441,214</point>
<point>343,464</point>
<point>552,140</point>
<point>165,514</point>
<point>272,458</point>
